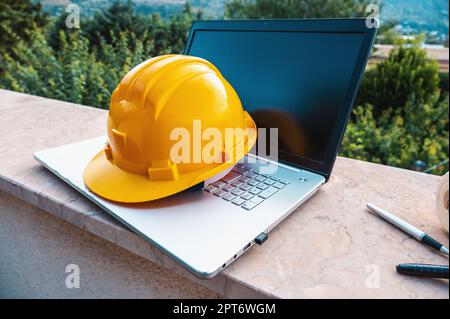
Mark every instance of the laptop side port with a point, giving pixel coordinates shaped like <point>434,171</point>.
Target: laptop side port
<point>247,246</point>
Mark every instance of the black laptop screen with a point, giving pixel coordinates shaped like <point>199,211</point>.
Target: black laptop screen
<point>297,82</point>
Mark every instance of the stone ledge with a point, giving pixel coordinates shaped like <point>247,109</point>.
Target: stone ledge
<point>321,251</point>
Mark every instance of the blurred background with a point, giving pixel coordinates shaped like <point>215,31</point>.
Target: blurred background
<point>401,113</point>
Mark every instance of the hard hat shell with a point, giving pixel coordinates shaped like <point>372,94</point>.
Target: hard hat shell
<point>155,98</point>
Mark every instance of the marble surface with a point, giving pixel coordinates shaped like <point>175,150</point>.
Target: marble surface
<point>36,248</point>
<point>330,247</point>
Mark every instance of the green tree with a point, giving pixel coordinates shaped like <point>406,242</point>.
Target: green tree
<point>420,133</point>
<point>164,36</point>
<point>58,25</point>
<point>74,73</point>
<point>407,71</point>
<point>275,9</point>
<point>282,9</point>
<point>18,19</point>
<point>178,29</point>
<point>402,114</point>
<point>119,17</point>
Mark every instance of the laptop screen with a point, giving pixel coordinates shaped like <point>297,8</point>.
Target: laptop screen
<point>296,81</point>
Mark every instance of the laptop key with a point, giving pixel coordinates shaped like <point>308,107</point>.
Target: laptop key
<point>237,192</point>
<point>244,179</point>
<point>241,170</point>
<point>236,183</point>
<point>219,184</point>
<point>247,196</point>
<point>238,201</point>
<point>279,185</point>
<point>254,191</point>
<point>231,176</point>
<point>248,205</point>
<point>269,181</point>
<point>262,186</point>
<point>251,175</point>
<point>284,181</point>
<point>219,192</point>
<point>253,182</point>
<point>228,188</point>
<point>228,197</point>
<point>210,188</point>
<point>268,192</point>
<point>276,179</point>
<point>260,178</point>
<point>245,187</point>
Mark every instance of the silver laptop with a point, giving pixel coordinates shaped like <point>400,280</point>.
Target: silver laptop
<point>298,78</point>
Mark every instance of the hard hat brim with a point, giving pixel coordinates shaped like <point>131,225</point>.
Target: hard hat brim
<point>107,180</point>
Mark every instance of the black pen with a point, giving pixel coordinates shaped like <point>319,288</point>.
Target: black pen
<point>423,270</point>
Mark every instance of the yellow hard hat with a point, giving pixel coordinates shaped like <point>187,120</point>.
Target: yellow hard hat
<point>155,99</point>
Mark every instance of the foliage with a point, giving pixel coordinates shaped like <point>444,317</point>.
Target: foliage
<point>399,140</point>
<point>119,17</point>
<point>73,73</point>
<point>402,114</point>
<point>406,72</point>
<point>18,19</point>
<point>275,9</point>
<point>402,106</point>
<point>443,84</point>
<point>429,16</point>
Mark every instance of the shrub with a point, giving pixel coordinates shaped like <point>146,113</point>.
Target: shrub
<point>402,115</point>
<point>73,73</point>
<point>18,19</point>
<point>276,9</point>
<point>402,107</point>
<point>443,83</point>
<point>406,72</point>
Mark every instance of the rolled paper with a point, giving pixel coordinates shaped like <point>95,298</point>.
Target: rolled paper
<point>442,201</point>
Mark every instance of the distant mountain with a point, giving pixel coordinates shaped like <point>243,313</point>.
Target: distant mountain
<point>418,15</point>
<point>413,16</point>
<point>166,8</point>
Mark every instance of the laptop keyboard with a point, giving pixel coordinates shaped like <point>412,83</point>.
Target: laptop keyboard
<point>245,187</point>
